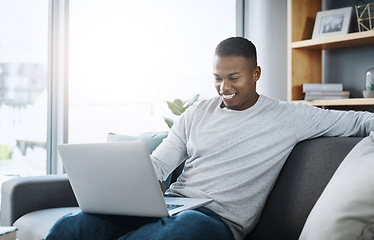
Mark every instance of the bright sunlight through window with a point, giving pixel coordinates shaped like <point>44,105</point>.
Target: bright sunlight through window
<point>127,58</point>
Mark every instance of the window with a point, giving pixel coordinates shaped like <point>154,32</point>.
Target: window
<point>127,58</point>
<point>23,80</point>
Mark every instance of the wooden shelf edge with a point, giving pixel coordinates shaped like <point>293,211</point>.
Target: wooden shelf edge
<point>340,102</point>
<point>348,40</point>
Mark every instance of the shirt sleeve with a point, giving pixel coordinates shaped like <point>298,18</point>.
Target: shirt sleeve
<point>172,151</point>
<point>313,122</point>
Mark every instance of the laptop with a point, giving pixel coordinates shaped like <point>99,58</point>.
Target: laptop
<point>119,178</point>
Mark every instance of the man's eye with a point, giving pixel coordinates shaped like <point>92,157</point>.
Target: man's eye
<point>234,78</point>
<point>218,79</point>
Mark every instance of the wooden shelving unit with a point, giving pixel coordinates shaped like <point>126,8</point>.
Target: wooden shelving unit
<point>347,41</point>
<point>340,102</point>
<point>304,53</point>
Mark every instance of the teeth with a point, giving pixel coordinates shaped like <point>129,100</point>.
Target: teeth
<point>228,96</point>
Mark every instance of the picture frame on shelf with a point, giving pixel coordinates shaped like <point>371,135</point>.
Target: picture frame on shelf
<point>332,23</point>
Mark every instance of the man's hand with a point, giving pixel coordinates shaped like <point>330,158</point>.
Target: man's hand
<point>161,186</point>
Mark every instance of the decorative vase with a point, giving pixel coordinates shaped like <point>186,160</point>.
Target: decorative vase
<point>368,93</point>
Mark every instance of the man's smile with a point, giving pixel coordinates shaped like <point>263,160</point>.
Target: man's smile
<point>228,96</point>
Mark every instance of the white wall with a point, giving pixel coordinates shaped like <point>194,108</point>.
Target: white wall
<point>266,26</point>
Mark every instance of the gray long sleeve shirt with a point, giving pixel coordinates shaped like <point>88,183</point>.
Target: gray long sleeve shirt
<point>234,157</point>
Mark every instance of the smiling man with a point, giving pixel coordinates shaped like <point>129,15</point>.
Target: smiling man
<point>236,73</point>
<point>234,146</point>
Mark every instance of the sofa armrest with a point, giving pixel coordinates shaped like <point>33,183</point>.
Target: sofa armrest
<point>26,194</point>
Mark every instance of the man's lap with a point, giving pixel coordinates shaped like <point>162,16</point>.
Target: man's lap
<point>191,224</point>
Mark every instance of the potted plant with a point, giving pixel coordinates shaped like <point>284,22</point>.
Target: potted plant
<point>369,92</point>
<point>178,107</point>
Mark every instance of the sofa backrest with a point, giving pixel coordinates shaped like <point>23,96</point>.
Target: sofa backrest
<point>301,181</point>
<point>304,176</point>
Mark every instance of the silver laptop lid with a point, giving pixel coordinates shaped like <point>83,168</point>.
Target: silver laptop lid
<point>113,178</point>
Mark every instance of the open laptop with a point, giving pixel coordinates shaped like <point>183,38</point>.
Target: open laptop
<point>119,178</point>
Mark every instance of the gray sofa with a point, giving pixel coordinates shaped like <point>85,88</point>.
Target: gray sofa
<point>34,203</point>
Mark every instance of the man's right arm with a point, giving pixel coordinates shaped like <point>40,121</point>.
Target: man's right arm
<point>172,151</point>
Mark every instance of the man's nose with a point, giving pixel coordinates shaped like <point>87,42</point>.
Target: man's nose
<point>224,86</point>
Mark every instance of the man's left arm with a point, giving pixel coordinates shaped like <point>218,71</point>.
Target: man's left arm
<point>349,123</point>
<point>315,122</point>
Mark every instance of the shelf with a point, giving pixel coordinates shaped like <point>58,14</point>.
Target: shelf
<point>350,40</point>
<point>306,61</point>
<point>340,102</point>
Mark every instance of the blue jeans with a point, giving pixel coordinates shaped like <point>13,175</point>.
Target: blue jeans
<point>200,223</point>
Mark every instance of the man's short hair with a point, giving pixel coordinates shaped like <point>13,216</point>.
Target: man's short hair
<point>237,46</point>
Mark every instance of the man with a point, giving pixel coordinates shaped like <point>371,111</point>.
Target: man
<point>235,144</point>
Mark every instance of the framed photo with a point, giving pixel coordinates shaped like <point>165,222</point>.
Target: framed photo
<point>332,23</point>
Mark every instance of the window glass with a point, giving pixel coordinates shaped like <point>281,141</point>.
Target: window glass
<point>127,58</point>
<point>23,98</point>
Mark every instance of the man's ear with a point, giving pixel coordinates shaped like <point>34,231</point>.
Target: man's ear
<point>257,73</point>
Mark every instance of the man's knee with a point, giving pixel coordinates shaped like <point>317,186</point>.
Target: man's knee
<point>77,226</point>
<point>63,229</point>
<point>192,217</point>
<point>197,225</point>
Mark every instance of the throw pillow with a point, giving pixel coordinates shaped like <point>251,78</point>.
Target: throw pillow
<point>151,139</point>
<point>346,205</point>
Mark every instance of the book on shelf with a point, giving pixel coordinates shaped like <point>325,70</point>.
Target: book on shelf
<point>309,87</point>
<point>322,91</point>
<point>318,95</point>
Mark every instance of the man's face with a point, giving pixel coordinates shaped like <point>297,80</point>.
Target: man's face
<point>235,81</point>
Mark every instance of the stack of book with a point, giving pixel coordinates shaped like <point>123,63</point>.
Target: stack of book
<point>320,91</point>
<point>8,233</point>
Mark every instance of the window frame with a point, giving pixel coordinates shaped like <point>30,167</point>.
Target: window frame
<point>57,86</point>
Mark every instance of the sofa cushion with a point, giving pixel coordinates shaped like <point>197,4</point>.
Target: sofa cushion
<point>151,139</point>
<point>36,225</point>
<point>346,205</point>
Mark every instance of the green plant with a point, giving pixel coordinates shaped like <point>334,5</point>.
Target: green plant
<point>178,107</point>
<point>5,152</point>
<point>370,79</point>
<point>371,86</point>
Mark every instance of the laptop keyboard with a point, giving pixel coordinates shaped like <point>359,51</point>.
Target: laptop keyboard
<point>172,206</point>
